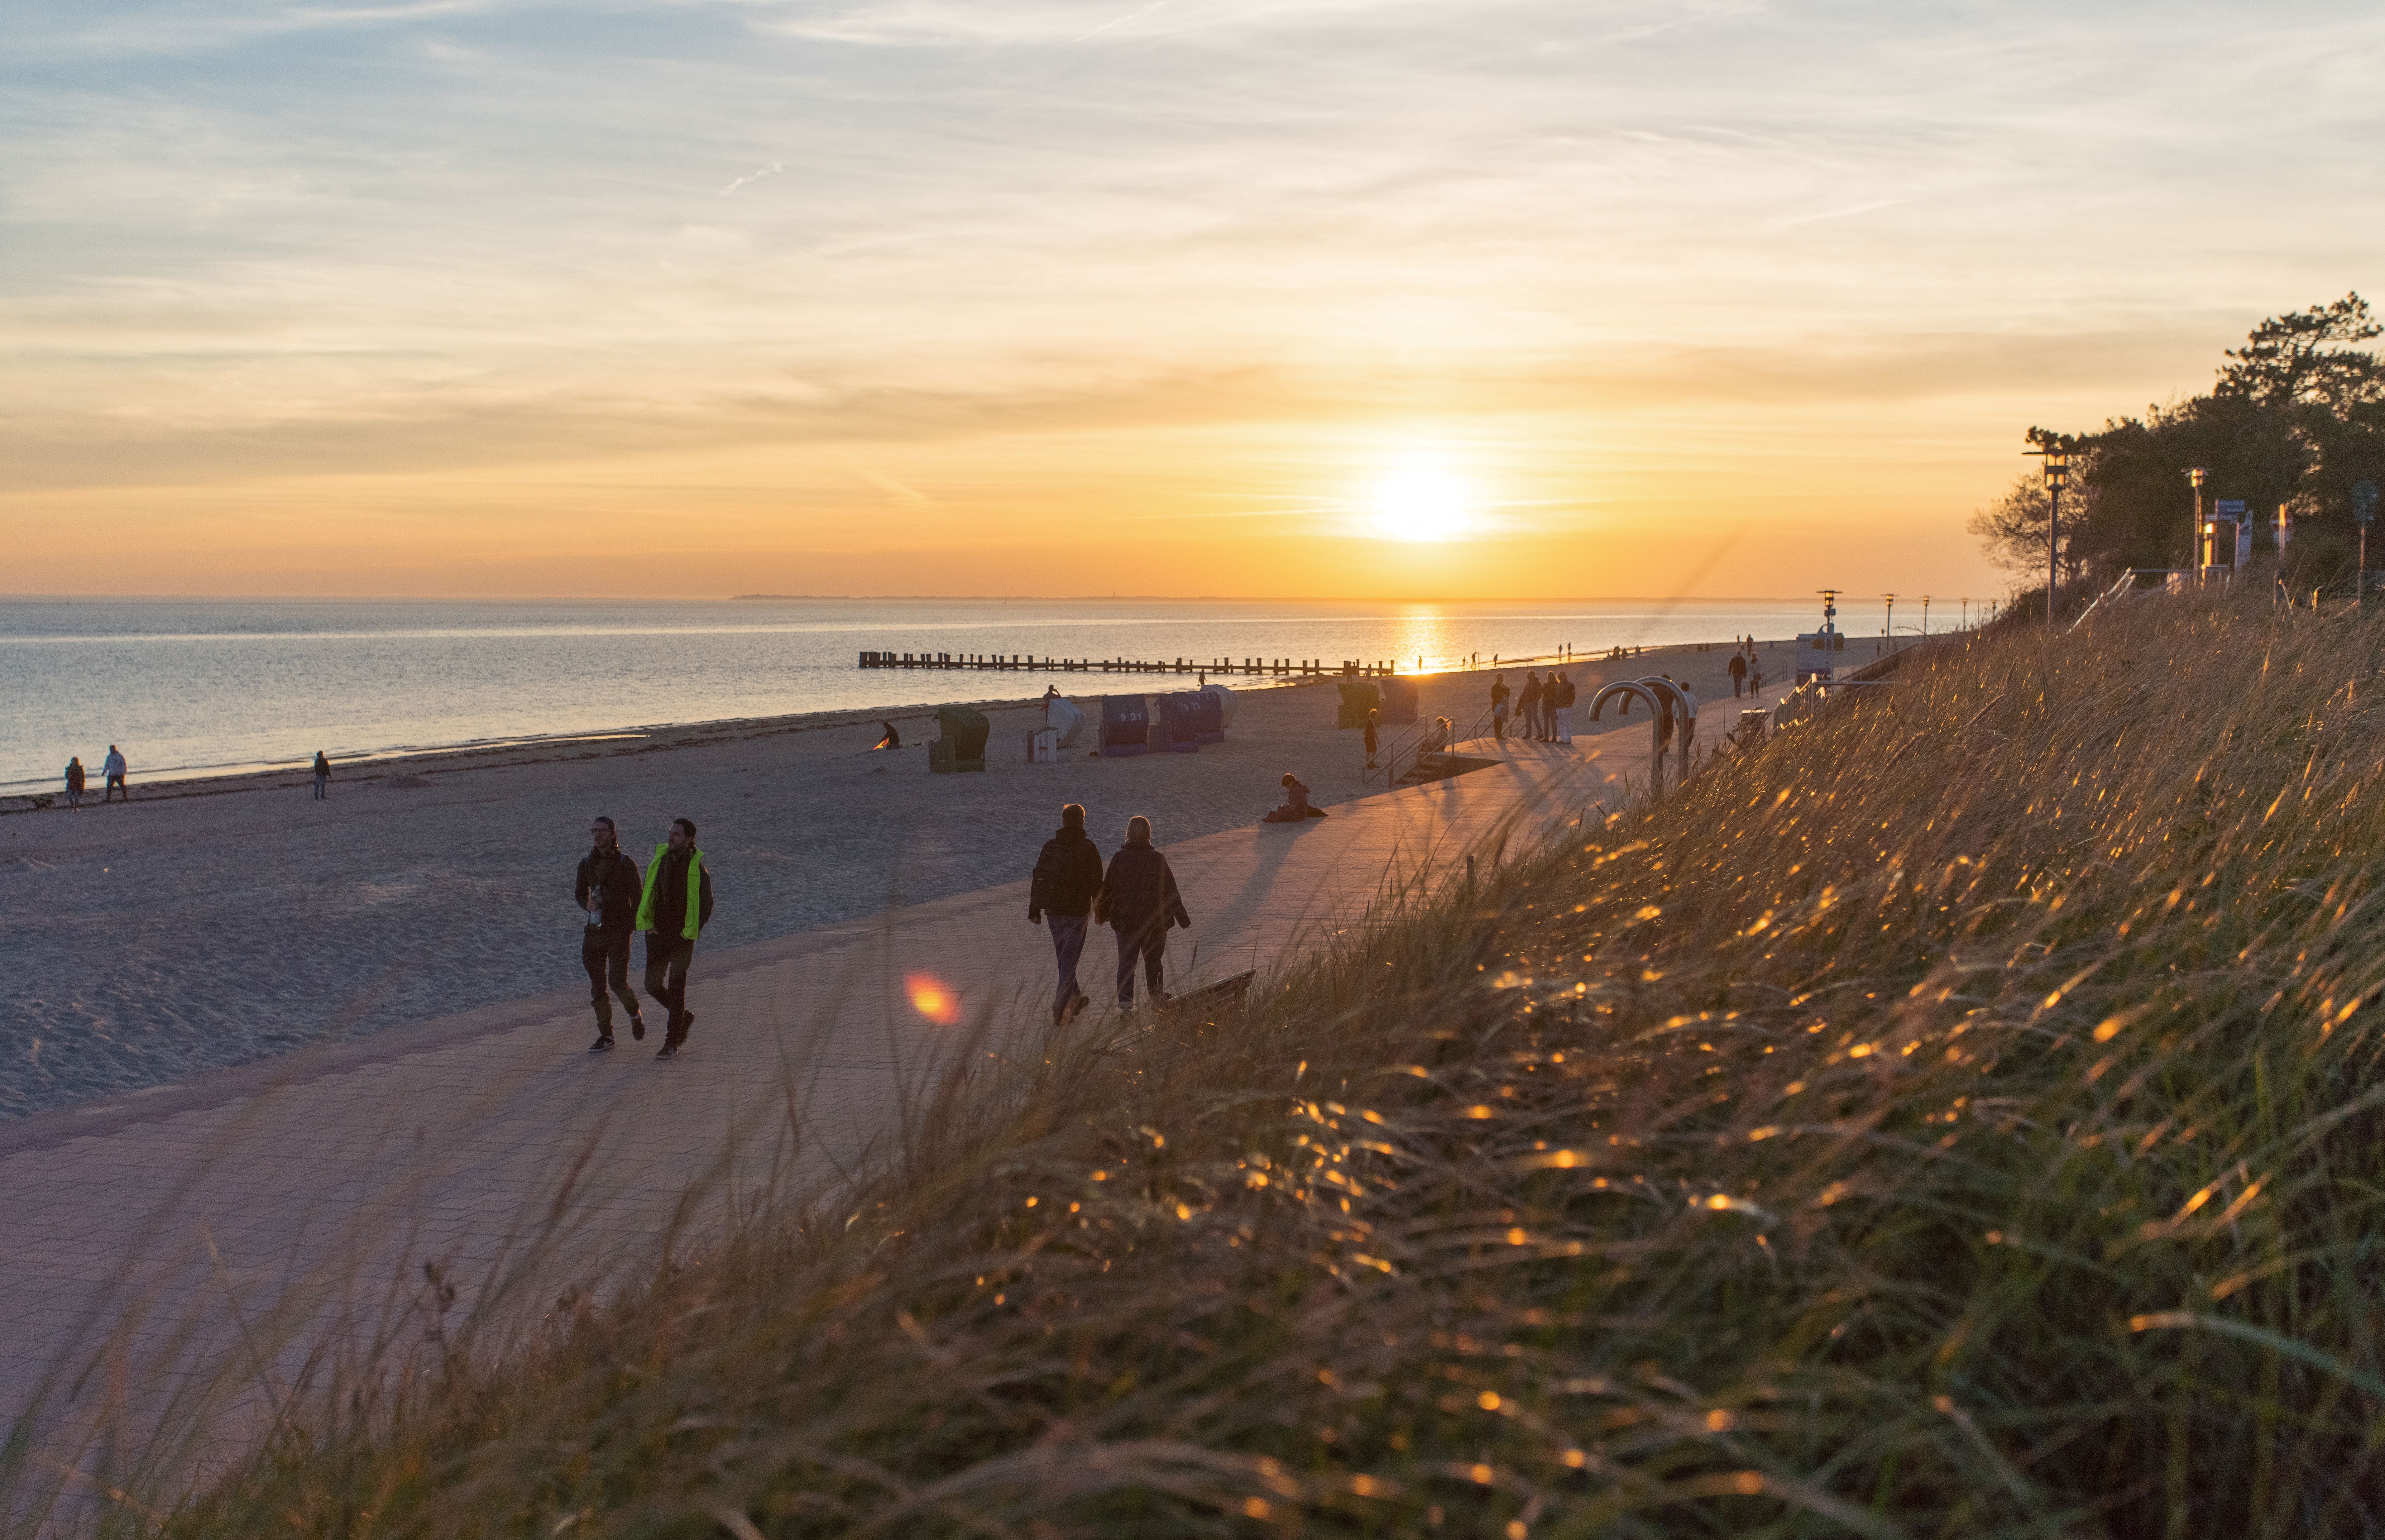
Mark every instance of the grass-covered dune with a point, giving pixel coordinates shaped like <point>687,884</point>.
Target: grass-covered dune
<point>1960,1116</point>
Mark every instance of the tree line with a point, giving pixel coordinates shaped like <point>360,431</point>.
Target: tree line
<point>2295,418</point>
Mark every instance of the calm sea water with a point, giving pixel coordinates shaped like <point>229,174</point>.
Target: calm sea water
<point>190,687</point>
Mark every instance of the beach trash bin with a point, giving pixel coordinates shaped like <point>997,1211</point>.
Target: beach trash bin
<point>966,731</point>
<point>1178,728</point>
<point>1225,699</point>
<point>1358,697</point>
<point>1399,706</point>
<point>1126,726</point>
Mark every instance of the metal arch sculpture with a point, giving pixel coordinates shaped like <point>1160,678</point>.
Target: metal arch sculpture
<point>1660,711</point>
<point>1685,715</point>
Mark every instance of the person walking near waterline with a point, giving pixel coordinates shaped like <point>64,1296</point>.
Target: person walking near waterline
<point>1068,877</point>
<point>111,771</point>
<point>676,905</point>
<point>606,889</point>
<point>323,776</point>
<point>74,783</point>
<point>1138,902</point>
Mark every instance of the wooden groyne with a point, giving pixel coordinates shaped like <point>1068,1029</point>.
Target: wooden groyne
<point>1267,667</point>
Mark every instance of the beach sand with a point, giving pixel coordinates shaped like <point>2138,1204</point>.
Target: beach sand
<point>211,924</point>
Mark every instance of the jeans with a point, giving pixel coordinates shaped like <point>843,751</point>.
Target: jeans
<point>1068,946</point>
<point>667,961</point>
<point>606,955</point>
<point>1150,945</point>
<point>114,784</point>
<point>321,781</point>
<point>1564,724</point>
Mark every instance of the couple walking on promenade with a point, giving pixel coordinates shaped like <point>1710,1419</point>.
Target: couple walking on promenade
<point>671,905</point>
<point>1136,897</point>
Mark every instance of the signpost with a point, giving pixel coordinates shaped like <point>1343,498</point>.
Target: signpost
<point>2363,512</point>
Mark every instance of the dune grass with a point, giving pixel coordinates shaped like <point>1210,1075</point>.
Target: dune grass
<point>1959,1116</point>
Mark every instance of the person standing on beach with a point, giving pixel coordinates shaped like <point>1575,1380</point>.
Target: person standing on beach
<point>1528,705</point>
<point>1139,901</point>
<point>1564,688</point>
<point>112,769</point>
<point>606,889</point>
<point>323,776</point>
<point>1374,735</point>
<point>74,783</point>
<point>1068,876</point>
<point>1499,705</point>
<point>676,905</point>
<point>1738,673</point>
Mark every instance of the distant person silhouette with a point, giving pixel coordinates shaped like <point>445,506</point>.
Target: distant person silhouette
<point>112,768</point>
<point>323,776</point>
<point>1528,707</point>
<point>1295,808</point>
<point>1499,694</point>
<point>1738,673</point>
<point>1138,902</point>
<point>1374,736</point>
<point>74,783</point>
<point>1564,713</point>
<point>892,740</point>
<point>676,905</point>
<point>606,889</point>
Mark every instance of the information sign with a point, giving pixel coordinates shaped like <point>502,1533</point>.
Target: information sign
<point>2364,501</point>
<point>2229,508</point>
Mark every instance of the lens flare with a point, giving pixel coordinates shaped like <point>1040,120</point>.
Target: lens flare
<point>933,999</point>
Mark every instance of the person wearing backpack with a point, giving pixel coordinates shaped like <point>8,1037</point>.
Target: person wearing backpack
<point>1068,876</point>
<point>676,906</point>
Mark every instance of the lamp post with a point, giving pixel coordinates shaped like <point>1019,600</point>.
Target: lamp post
<point>2363,513</point>
<point>1889,630</point>
<point>1925,617</point>
<point>2198,475</point>
<point>2058,476</point>
<point>1967,614</point>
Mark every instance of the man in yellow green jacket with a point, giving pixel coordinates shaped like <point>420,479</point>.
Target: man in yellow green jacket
<point>676,906</point>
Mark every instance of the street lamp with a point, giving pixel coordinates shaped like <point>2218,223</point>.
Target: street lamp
<point>1925,615</point>
<point>1890,631</point>
<point>2058,476</point>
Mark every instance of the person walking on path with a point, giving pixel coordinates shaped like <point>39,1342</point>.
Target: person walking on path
<point>1564,688</point>
<point>676,905</point>
<point>1068,876</point>
<point>1738,673</point>
<point>112,769</point>
<point>1374,736</point>
<point>1528,705</point>
<point>606,890</point>
<point>1499,705</point>
<point>323,776</point>
<point>1139,901</point>
<point>74,783</point>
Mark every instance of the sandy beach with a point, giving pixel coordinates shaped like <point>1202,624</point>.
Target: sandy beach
<point>212,923</point>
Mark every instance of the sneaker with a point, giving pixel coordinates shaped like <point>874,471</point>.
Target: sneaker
<point>638,1028</point>
<point>601,1044</point>
<point>669,1050</point>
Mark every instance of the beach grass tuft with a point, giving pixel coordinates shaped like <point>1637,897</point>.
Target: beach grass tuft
<point>1959,1115</point>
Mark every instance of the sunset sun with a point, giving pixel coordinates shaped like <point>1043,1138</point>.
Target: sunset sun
<point>1421,503</point>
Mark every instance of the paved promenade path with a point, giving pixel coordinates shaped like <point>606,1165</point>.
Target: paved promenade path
<point>186,1246</point>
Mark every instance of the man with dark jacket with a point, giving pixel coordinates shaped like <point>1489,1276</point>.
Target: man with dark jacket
<point>1068,875</point>
<point>606,892</point>
<point>1139,901</point>
<point>677,904</point>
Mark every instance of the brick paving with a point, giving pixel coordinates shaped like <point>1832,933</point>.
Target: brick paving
<point>201,1238</point>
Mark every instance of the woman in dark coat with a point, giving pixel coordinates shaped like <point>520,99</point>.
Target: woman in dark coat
<point>1138,902</point>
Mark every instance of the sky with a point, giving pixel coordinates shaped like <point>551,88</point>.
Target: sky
<point>1267,298</point>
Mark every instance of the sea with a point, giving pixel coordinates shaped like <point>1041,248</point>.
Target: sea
<point>200,687</point>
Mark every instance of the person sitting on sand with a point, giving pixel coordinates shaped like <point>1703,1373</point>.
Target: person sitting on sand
<point>892,740</point>
<point>1295,808</point>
